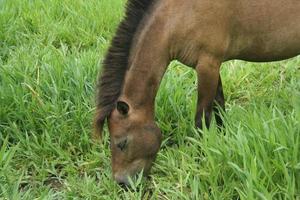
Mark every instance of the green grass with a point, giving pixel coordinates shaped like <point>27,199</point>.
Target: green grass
<point>49,59</point>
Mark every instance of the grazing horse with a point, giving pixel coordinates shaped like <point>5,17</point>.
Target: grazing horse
<point>198,33</point>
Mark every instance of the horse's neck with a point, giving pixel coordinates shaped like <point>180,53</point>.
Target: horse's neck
<point>147,63</point>
<point>144,76</point>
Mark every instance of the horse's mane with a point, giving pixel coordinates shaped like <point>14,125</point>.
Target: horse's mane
<point>115,63</point>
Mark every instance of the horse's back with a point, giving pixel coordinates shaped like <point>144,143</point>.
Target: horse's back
<point>256,30</point>
<point>266,30</point>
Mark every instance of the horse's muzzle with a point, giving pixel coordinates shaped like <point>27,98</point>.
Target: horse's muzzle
<point>122,180</point>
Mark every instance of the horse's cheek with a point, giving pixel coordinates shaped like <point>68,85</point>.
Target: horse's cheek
<point>152,145</point>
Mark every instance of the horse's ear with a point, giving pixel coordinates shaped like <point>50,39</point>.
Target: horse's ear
<point>99,120</point>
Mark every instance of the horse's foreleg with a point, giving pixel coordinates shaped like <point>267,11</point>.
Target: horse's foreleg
<point>219,103</point>
<point>208,81</point>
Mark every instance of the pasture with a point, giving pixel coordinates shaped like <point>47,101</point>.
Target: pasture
<point>50,55</point>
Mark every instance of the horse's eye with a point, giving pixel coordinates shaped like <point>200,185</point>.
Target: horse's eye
<point>122,107</point>
<point>122,145</point>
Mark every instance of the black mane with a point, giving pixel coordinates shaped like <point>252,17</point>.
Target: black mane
<point>115,63</point>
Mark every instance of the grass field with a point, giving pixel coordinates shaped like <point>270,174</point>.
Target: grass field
<point>50,53</point>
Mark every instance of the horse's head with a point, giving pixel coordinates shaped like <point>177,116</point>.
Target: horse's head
<point>134,141</point>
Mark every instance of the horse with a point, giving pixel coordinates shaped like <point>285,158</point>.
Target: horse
<point>199,33</point>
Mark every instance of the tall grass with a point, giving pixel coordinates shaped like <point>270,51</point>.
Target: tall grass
<point>49,59</point>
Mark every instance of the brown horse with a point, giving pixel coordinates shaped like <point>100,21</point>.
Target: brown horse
<point>199,33</point>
